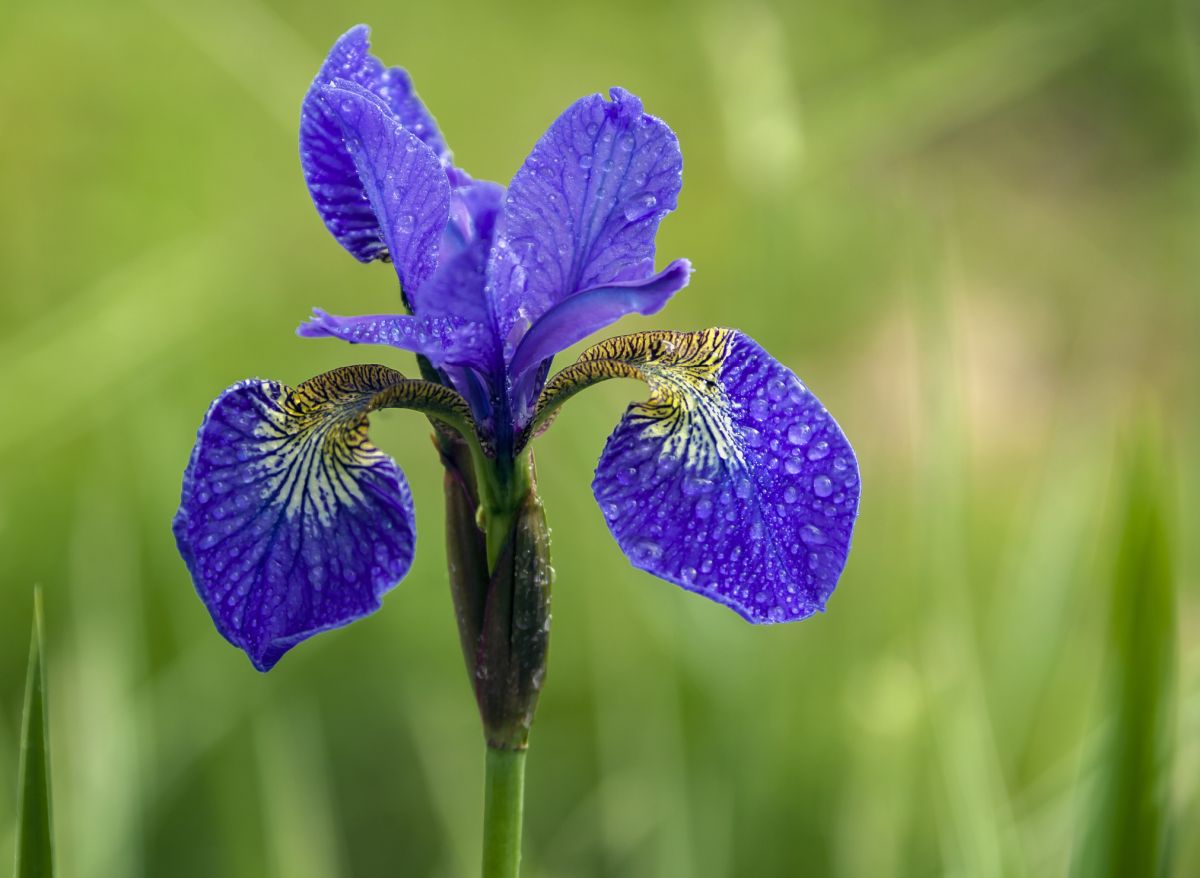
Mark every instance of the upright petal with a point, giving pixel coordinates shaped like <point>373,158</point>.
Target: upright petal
<point>584,209</point>
<point>457,288</point>
<point>329,169</point>
<point>408,192</point>
<point>731,481</point>
<point>291,522</point>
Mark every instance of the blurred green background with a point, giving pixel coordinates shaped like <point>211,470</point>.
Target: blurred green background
<point>971,228</point>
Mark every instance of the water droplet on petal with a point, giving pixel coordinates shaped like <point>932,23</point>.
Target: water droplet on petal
<point>799,434</point>
<point>822,486</point>
<point>818,451</point>
<point>646,551</point>
<point>812,535</point>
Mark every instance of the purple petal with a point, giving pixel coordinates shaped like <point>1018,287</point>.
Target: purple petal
<point>291,522</point>
<point>351,59</point>
<point>584,209</point>
<point>578,316</point>
<point>444,340</point>
<point>732,481</point>
<point>408,193</point>
<point>329,169</point>
<point>474,209</point>
<point>457,287</point>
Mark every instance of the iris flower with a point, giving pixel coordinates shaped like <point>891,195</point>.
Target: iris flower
<point>731,480</point>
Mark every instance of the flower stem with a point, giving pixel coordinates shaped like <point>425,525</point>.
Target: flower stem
<point>503,804</point>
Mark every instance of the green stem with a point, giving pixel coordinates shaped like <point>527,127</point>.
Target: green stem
<point>502,490</point>
<point>503,805</point>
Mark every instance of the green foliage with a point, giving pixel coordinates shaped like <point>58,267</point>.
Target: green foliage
<point>35,841</point>
<point>1130,795</point>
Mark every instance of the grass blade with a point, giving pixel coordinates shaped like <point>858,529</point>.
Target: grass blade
<point>1127,829</point>
<point>35,849</point>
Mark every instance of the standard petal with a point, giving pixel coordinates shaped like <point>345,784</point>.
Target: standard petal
<point>407,192</point>
<point>731,480</point>
<point>329,169</point>
<point>474,209</point>
<point>578,316</point>
<point>291,522</point>
<point>458,286</point>
<point>584,209</point>
<point>444,340</point>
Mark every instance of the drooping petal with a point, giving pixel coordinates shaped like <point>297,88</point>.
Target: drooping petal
<point>583,210</point>
<point>408,195</point>
<point>291,522</point>
<point>578,316</point>
<point>731,480</point>
<point>444,340</point>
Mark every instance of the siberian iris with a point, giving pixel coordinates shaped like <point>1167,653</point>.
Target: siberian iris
<point>731,480</point>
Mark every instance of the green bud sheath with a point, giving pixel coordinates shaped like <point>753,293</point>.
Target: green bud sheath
<point>503,610</point>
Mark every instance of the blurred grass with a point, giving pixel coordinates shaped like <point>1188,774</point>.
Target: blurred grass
<point>1129,819</point>
<point>969,227</point>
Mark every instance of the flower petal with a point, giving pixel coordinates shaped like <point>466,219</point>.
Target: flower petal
<point>578,316</point>
<point>291,522</point>
<point>731,481</point>
<point>408,195</point>
<point>584,209</point>
<point>328,167</point>
<point>458,287</point>
<point>444,340</point>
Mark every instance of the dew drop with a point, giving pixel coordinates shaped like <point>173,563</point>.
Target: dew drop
<point>704,508</point>
<point>759,409</point>
<point>585,161</point>
<point>646,551</point>
<point>405,223</point>
<point>640,206</point>
<point>793,465</point>
<point>812,535</point>
<point>799,434</point>
<point>790,494</point>
<point>819,451</point>
<point>822,486</point>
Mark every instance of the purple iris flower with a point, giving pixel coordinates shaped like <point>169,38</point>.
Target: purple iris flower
<point>731,480</point>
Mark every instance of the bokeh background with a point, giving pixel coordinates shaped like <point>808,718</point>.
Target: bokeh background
<point>971,228</point>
